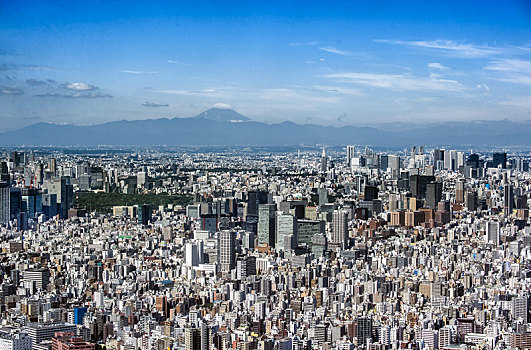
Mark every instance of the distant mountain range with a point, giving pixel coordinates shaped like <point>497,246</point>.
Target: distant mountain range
<point>227,127</point>
<point>222,115</point>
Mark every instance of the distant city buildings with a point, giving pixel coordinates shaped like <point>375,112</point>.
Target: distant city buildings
<point>261,248</point>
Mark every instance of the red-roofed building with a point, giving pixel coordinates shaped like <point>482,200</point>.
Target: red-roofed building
<point>68,341</point>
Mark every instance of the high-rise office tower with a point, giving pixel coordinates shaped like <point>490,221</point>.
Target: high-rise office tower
<point>350,155</point>
<point>508,199</point>
<point>324,162</point>
<point>519,308</point>
<point>266,224</point>
<point>306,229</point>
<point>445,336</point>
<point>206,335</point>
<point>437,155</point>
<point>16,159</point>
<point>339,229</point>
<point>64,191</point>
<point>433,194</point>
<point>15,201</point>
<point>323,196</point>
<point>460,161</point>
<point>286,224</point>
<point>450,160</point>
<point>227,250</point>
<point>4,173</point>
<point>32,202</point>
<point>394,162</point>
<point>5,203</point>
<point>471,201</point>
<point>193,253</point>
<point>493,232</point>
<point>192,339</point>
<point>40,276</point>
<point>473,161</point>
<point>52,166</point>
<point>499,159</point>
<point>39,173</point>
<point>363,330</point>
<point>383,162</point>
<point>418,185</point>
<point>161,304</point>
<point>254,199</point>
<point>460,191</point>
<point>370,193</point>
<point>144,214</point>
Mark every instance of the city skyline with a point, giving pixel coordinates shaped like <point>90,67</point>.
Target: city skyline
<point>327,64</point>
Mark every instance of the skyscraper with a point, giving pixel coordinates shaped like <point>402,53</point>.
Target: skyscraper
<point>394,162</point>
<point>41,277</point>
<point>286,225</point>
<point>266,224</point>
<point>418,185</point>
<point>519,308</point>
<point>460,191</point>
<point>499,159</point>
<point>4,173</point>
<point>339,229</point>
<point>144,214</point>
<point>363,330</point>
<point>383,162</point>
<point>350,155</point>
<point>227,250</point>
<point>206,336</point>
<point>5,206</point>
<point>254,199</point>
<point>370,193</point>
<point>32,202</point>
<point>433,194</point>
<point>323,196</point>
<point>324,162</point>
<point>508,199</point>
<point>493,232</point>
<point>64,191</point>
<point>450,160</point>
<point>192,339</point>
<point>52,166</point>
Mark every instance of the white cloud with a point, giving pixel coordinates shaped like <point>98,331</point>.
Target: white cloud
<point>397,81</point>
<point>307,43</point>
<point>451,47</point>
<point>138,72</point>
<point>437,65</point>
<point>338,90</point>
<point>189,92</point>
<point>523,102</point>
<point>222,105</point>
<point>180,63</point>
<point>294,96</point>
<point>511,70</point>
<point>510,65</point>
<point>337,51</point>
<point>77,94</point>
<point>79,86</point>
<point>10,90</point>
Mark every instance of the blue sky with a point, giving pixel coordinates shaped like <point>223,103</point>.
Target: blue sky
<point>330,63</point>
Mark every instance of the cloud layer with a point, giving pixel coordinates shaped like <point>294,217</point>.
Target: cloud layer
<point>154,105</point>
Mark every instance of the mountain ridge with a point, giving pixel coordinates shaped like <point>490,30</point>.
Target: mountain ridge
<point>215,128</point>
